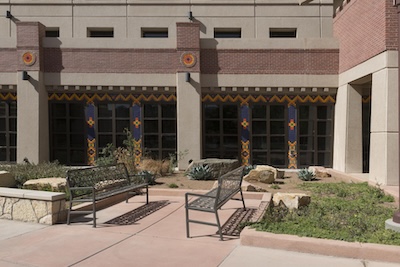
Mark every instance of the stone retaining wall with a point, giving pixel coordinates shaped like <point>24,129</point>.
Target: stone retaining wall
<point>32,206</point>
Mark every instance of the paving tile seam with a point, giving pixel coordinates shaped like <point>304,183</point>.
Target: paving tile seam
<point>128,237</point>
<point>159,220</point>
<point>229,254</point>
<point>102,250</point>
<point>17,263</point>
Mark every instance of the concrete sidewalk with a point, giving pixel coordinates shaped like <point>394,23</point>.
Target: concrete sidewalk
<point>158,239</point>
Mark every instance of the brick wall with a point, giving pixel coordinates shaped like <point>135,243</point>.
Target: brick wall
<point>111,60</point>
<point>188,35</point>
<point>364,29</point>
<point>270,61</point>
<point>392,26</point>
<point>29,39</point>
<point>8,60</point>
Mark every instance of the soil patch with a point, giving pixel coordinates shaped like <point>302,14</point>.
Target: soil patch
<point>288,184</point>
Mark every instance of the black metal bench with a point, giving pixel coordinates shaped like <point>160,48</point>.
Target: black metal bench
<point>229,185</point>
<point>93,184</point>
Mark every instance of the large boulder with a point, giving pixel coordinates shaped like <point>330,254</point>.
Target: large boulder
<point>246,187</point>
<point>49,184</point>
<point>319,172</point>
<point>291,200</point>
<point>217,167</point>
<point>264,174</point>
<point>6,179</point>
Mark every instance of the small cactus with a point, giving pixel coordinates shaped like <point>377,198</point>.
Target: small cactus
<point>306,175</point>
<point>201,172</point>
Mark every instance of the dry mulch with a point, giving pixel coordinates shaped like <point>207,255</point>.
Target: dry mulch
<point>288,184</point>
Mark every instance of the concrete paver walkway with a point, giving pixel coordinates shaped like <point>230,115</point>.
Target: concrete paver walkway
<point>158,239</point>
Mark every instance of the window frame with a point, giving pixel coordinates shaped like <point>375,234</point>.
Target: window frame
<point>269,135</point>
<point>100,32</point>
<point>160,152</point>
<point>161,32</point>
<point>283,33</point>
<point>68,148</point>
<point>10,150</point>
<point>52,32</point>
<point>221,151</point>
<point>315,150</point>
<point>227,33</point>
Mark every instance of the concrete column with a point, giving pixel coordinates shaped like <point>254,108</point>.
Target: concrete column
<point>384,156</point>
<point>33,124</point>
<point>188,96</point>
<point>347,156</point>
<point>32,103</point>
<point>188,93</point>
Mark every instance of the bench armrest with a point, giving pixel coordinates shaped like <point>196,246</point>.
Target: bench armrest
<point>196,195</point>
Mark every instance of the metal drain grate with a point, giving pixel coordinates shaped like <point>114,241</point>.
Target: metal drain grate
<point>139,213</point>
<point>235,223</point>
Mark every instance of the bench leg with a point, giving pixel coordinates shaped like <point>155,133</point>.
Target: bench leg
<point>187,216</point>
<point>187,223</point>
<point>241,194</point>
<point>147,194</point>
<point>94,211</point>
<point>219,226</point>
<point>69,212</point>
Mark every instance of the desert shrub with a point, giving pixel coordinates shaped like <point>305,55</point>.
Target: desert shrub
<point>174,158</point>
<point>106,156</point>
<point>173,185</point>
<point>248,168</point>
<point>111,155</point>
<point>157,167</point>
<point>26,171</point>
<point>306,175</point>
<point>201,172</point>
<point>151,178</point>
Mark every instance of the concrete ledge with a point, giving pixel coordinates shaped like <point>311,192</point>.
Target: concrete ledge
<point>31,194</point>
<point>366,251</point>
<point>31,206</point>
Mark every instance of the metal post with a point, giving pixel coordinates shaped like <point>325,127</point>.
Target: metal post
<point>396,216</point>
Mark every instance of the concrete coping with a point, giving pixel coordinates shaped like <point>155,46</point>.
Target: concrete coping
<point>31,194</point>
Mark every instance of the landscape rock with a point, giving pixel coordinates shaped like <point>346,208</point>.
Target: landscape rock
<point>56,184</point>
<point>262,173</point>
<point>246,187</point>
<point>6,179</point>
<point>218,167</point>
<point>319,171</point>
<point>291,200</point>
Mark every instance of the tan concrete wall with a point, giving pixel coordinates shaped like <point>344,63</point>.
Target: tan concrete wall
<point>384,156</point>
<point>127,18</point>
<point>275,80</point>
<point>384,117</point>
<point>32,123</point>
<point>347,156</point>
<point>111,79</point>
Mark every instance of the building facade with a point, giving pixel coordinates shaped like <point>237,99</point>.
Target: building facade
<point>266,82</point>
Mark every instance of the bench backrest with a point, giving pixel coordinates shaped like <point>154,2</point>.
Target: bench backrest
<point>228,185</point>
<point>99,177</point>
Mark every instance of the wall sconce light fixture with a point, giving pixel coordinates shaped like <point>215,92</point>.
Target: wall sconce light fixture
<point>187,77</point>
<point>25,75</point>
<point>190,16</point>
